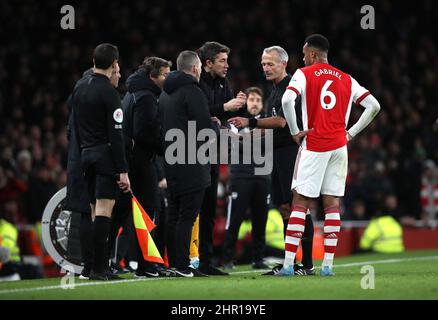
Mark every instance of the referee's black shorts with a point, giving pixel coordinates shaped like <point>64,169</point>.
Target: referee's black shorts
<point>282,173</point>
<point>99,170</point>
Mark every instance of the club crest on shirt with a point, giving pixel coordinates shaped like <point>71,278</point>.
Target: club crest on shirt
<point>274,112</point>
<point>118,115</point>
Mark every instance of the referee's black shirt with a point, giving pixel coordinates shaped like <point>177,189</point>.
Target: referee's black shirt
<point>99,117</point>
<point>281,136</point>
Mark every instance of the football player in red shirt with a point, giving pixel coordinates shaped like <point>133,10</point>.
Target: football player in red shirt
<point>327,94</point>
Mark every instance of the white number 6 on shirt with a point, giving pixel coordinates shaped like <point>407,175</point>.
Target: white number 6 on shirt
<point>326,93</point>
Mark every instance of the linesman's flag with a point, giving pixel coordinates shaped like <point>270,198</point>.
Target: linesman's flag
<point>143,226</point>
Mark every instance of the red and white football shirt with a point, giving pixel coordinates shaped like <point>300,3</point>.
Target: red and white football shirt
<point>327,94</point>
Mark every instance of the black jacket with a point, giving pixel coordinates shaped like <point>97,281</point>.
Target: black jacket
<point>218,91</point>
<point>180,102</point>
<point>98,116</point>
<point>142,134</point>
<point>282,136</point>
<point>142,120</point>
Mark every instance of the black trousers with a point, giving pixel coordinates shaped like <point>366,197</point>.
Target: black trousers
<point>144,185</point>
<point>122,217</point>
<point>252,194</point>
<point>182,213</point>
<point>207,219</point>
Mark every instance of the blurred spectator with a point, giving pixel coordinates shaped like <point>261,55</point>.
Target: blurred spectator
<point>41,188</point>
<point>11,190</point>
<point>384,233</point>
<point>24,165</point>
<point>357,212</point>
<point>9,251</point>
<point>429,193</point>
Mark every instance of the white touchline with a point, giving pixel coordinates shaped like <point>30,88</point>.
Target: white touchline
<point>81,284</point>
<point>102,283</point>
<point>364,263</point>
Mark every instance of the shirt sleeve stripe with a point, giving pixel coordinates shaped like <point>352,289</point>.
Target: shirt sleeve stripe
<point>366,94</point>
<point>294,89</point>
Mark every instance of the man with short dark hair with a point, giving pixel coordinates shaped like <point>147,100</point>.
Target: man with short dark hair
<point>216,87</point>
<point>98,118</point>
<point>181,102</point>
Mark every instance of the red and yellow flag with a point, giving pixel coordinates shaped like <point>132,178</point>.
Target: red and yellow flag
<point>143,226</point>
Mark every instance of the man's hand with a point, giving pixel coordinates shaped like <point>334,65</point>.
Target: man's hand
<point>300,135</point>
<point>239,122</point>
<point>236,103</point>
<point>162,184</point>
<point>242,96</point>
<point>215,119</point>
<point>349,137</point>
<point>124,183</point>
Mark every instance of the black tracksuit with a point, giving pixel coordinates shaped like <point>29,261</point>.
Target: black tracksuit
<point>285,149</point>
<point>142,117</point>
<point>218,91</point>
<point>285,153</point>
<point>247,191</point>
<point>143,143</point>
<point>180,102</point>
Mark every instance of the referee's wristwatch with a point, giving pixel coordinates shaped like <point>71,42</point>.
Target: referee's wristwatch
<point>252,122</point>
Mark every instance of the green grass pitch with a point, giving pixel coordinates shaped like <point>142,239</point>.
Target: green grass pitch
<point>411,275</point>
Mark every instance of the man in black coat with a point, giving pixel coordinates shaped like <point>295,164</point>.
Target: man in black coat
<point>184,110</point>
<point>142,138</point>
<point>221,104</point>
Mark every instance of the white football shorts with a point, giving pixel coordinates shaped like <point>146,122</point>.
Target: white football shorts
<point>318,173</point>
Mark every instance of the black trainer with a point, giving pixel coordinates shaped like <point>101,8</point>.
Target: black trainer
<point>198,273</point>
<point>189,273</point>
<point>149,271</point>
<point>104,276</point>
<point>141,274</point>
<point>212,271</point>
<point>186,273</point>
<point>300,270</point>
<point>85,274</point>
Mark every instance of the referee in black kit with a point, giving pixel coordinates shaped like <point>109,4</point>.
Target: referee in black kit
<point>98,121</point>
<point>274,62</point>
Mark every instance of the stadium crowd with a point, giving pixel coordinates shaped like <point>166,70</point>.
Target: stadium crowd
<point>395,61</point>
